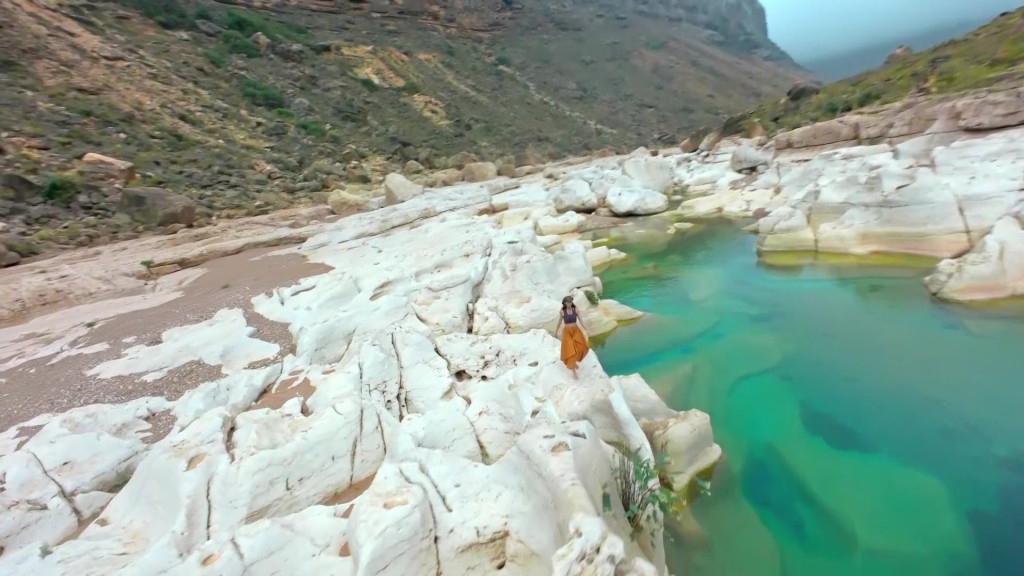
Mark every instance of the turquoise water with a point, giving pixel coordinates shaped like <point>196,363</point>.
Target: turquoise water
<point>867,429</point>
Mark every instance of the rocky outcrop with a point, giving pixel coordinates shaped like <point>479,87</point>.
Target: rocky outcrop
<point>158,207</point>
<point>438,432</point>
<point>398,189</point>
<point>929,178</point>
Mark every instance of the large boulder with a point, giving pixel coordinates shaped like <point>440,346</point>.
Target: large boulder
<point>158,207</point>
<point>746,157</point>
<point>119,171</point>
<point>636,201</point>
<point>398,189</point>
<point>654,173</point>
<point>993,269</point>
<point>8,257</point>
<point>802,90</point>
<point>577,196</point>
<point>17,188</point>
<point>479,172</point>
<point>442,178</point>
<point>345,202</point>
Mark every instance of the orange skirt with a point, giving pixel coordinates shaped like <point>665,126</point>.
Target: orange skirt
<point>574,345</point>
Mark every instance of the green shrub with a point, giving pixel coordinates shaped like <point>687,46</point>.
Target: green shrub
<point>204,13</point>
<point>262,95</point>
<point>248,23</point>
<point>411,87</point>
<point>238,44</point>
<point>284,113</point>
<point>503,60</point>
<point>592,297</point>
<point>59,189</point>
<point>312,128</point>
<point>218,56</point>
<point>641,492</point>
<point>832,108</point>
<point>169,14</point>
<point>867,97</point>
<point>369,84</point>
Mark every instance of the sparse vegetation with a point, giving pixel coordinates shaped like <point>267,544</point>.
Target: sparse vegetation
<point>369,84</point>
<point>248,23</point>
<point>148,265</point>
<point>592,297</point>
<point>218,56</point>
<point>235,43</point>
<point>262,95</point>
<point>644,498</point>
<point>312,128</point>
<point>989,56</point>
<point>170,14</point>
<point>45,550</point>
<point>59,189</point>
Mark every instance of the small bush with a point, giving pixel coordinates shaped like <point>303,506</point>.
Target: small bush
<point>217,56</point>
<point>59,189</point>
<point>248,23</point>
<point>369,84</point>
<point>204,13</point>
<point>169,14</point>
<point>641,493</point>
<point>284,113</point>
<point>238,44</point>
<point>262,95</point>
<point>411,87</point>
<point>867,98</point>
<point>503,60</point>
<point>312,128</point>
<point>591,297</point>
<point>832,108</point>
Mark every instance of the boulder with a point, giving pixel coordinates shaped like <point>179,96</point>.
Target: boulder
<point>575,195</point>
<point>8,257</point>
<point>261,40</point>
<point>653,173</point>
<point>442,178</point>
<point>462,159</point>
<point>413,167</point>
<point>357,173</point>
<point>801,91</point>
<point>710,141</point>
<point>901,51</point>
<point>690,145</point>
<point>345,202</point>
<point>119,171</point>
<point>209,28</point>
<point>993,269</point>
<point>17,188</point>
<point>636,201</point>
<point>398,189</point>
<point>157,207</point>
<point>479,172</point>
<point>290,51</point>
<point>746,157</point>
<point>563,224</point>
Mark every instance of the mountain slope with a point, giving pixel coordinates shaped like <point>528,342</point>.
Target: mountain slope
<point>990,56</point>
<point>248,105</point>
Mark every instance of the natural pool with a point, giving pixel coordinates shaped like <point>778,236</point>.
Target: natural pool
<point>868,430</point>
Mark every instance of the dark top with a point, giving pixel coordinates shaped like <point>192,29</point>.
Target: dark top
<point>569,316</point>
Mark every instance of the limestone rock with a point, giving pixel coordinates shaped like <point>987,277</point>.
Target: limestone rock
<point>746,157</point>
<point>345,202</point>
<point>398,189</point>
<point>119,171</point>
<point>448,177</point>
<point>8,257</point>
<point>157,207</point>
<point>18,188</point>
<point>479,172</point>
<point>801,91</point>
<point>577,196</point>
<point>208,28</point>
<point>289,51</point>
<point>636,201</point>
<point>413,167</point>
<point>563,224</point>
<point>993,269</point>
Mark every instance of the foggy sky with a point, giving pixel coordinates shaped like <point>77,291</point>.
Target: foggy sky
<point>808,29</point>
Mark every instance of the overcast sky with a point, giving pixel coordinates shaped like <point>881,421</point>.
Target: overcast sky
<point>812,28</point>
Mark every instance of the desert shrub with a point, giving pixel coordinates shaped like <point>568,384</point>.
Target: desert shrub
<point>591,297</point>
<point>284,113</point>
<point>868,97</point>
<point>263,95</point>
<point>235,43</point>
<point>248,23</point>
<point>59,189</point>
<point>369,84</point>
<point>217,56</point>
<point>169,14</point>
<point>503,60</point>
<point>312,128</point>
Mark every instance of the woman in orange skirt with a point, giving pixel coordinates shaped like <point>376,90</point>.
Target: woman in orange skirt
<point>574,339</point>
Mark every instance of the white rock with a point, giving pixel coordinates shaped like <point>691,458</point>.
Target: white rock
<point>636,201</point>
<point>747,157</point>
<point>652,173</point>
<point>993,269</point>
<point>562,224</point>
<point>398,189</point>
<point>576,195</point>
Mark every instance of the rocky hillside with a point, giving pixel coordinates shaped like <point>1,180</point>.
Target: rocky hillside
<point>991,56</point>
<point>226,108</point>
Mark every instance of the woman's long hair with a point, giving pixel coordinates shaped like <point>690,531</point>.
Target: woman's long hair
<point>566,302</point>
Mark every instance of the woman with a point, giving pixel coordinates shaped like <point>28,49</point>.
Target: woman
<point>574,340</point>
